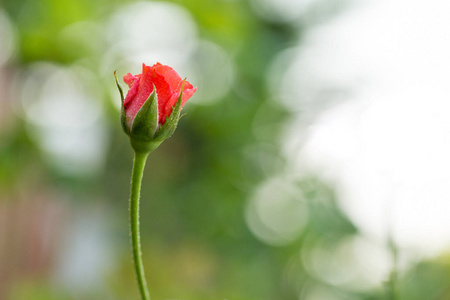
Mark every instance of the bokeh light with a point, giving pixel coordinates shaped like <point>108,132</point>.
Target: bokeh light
<point>277,212</point>
<point>150,32</point>
<point>385,145</point>
<point>64,116</point>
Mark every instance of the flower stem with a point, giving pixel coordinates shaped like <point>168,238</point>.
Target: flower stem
<point>136,180</point>
<point>393,292</point>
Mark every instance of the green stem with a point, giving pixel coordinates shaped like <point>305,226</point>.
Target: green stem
<point>393,276</point>
<point>136,179</point>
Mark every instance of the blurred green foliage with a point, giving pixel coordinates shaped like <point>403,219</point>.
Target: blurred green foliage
<point>197,185</point>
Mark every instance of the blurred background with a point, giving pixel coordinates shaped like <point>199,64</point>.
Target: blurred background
<point>313,162</point>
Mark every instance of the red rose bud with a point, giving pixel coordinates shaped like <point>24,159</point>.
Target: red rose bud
<point>151,109</point>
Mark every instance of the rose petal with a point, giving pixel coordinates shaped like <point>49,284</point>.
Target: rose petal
<point>170,76</point>
<point>140,90</point>
<point>168,86</point>
<point>188,91</point>
<point>164,93</point>
<point>129,79</point>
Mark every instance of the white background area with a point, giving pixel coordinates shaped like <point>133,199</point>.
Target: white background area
<point>387,145</point>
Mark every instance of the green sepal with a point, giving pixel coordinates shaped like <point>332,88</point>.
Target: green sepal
<point>123,116</point>
<point>145,122</point>
<point>143,146</point>
<point>171,123</point>
<point>123,121</point>
<point>119,86</point>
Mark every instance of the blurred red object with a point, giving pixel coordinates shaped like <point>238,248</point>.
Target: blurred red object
<point>30,233</point>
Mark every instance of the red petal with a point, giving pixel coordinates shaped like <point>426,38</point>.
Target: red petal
<point>168,89</point>
<point>188,91</point>
<point>140,90</point>
<point>133,83</point>
<point>163,90</point>
<point>170,76</point>
<point>129,79</point>
<point>168,86</point>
